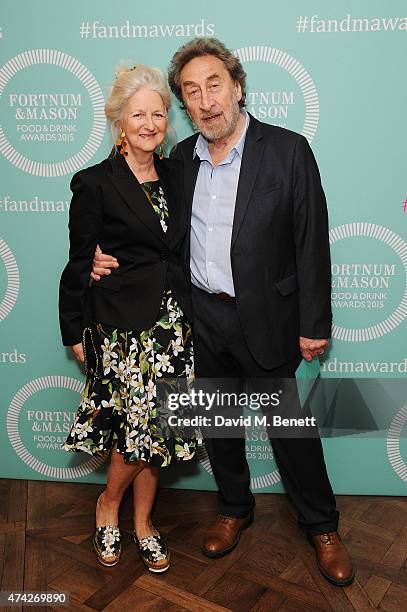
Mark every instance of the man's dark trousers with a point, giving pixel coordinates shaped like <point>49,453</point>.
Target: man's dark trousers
<point>221,352</point>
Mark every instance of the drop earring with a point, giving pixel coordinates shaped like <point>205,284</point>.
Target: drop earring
<point>161,153</point>
<point>122,143</point>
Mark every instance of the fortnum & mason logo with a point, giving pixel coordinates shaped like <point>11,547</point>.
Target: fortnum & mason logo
<point>371,288</point>
<point>36,427</point>
<point>293,102</point>
<point>50,132</point>
<point>273,106</point>
<point>259,454</point>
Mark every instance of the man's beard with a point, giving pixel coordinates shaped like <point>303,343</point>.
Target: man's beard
<point>228,125</point>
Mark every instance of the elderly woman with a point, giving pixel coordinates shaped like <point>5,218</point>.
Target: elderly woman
<point>129,328</point>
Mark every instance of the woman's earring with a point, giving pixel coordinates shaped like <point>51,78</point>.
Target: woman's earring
<point>122,143</point>
<point>161,154</point>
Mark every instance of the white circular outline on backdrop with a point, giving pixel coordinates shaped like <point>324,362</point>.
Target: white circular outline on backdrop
<point>393,443</point>
<point>13,280</point>
<point>18,401</point>
<point>271,55</point>
<point>256,482</point>
<point>62,60</point>
<point>392,240</point>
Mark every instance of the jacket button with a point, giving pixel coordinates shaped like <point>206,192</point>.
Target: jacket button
<point>163,257</point>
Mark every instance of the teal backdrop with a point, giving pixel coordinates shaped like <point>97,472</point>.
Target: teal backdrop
<point>333,71</point>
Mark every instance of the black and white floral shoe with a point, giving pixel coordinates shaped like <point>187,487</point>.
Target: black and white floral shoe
<point>154,552</point>
<point>107,544</point>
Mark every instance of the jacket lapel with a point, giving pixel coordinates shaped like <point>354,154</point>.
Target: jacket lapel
<point>191,175</point>
<point>191,169</point>
<point>190,182</point>
<point>252,154</point>
<point>134,197</point>
<point>170,176</point>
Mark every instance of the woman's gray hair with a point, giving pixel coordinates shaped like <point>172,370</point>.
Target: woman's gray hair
<point>128,81</point>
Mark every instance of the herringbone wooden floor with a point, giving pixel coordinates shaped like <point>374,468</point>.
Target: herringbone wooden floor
<point>46,544</point>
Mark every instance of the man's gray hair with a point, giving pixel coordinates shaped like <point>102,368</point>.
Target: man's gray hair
<point>199,47</point>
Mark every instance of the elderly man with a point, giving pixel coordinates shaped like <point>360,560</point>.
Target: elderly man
<point>260,271</point>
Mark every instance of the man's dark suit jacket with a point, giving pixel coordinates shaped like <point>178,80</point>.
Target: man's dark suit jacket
<point>109,208</point>
<point>280,247</point>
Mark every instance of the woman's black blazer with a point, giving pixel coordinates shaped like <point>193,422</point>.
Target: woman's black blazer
<point>109,208</point>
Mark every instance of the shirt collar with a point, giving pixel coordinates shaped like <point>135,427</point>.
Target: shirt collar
<point>201,146</point>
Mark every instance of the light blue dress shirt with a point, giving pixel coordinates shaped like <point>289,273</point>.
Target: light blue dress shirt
<point>213,209</point>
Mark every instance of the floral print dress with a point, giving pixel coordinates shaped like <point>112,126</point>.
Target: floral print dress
<point>119,404</point>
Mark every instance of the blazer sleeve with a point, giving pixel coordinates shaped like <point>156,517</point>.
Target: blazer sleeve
<point>311,238</point>
<point>85,229</point>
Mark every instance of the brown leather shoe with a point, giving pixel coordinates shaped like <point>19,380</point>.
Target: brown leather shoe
<point>221,537</point>
<point>333,559</point>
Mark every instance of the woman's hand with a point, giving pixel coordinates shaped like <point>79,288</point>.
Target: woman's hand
<point>78,352</point>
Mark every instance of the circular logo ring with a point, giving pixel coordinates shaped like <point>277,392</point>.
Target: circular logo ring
<point>13,280</point>
<point>393,443</point>
<point>18,401</point>
<point>56,58</point>
<point>256,482</point>
<point>299,74</point>
<point>370,230</point>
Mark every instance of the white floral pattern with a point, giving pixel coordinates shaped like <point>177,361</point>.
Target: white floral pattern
<point>120,404</point>
<point>153,548</point>
<point>107,541</point>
